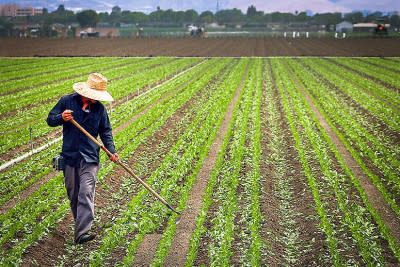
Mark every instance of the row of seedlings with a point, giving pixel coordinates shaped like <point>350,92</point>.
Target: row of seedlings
<point>359,223</point>
<point>171,178</point>
<point>23,175</point>
<point>56,201</point>
<point>42,66</point>
<point>383,75</point>
<point>189,111</point>
<point>210,243</point>
<point>119,88</point>
<point>374,153</point>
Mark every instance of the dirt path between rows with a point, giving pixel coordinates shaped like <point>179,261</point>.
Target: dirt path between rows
<point>373,194</point>
<point>180,245</point>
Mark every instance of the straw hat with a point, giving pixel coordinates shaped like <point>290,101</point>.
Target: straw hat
<point>95,88</point>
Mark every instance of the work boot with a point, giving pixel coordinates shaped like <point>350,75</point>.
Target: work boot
<point>85,238</point>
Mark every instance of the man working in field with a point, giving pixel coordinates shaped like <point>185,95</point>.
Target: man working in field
<point>80,153</point>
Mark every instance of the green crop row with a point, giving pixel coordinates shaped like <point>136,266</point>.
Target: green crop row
<point>382,62</point>
<point>376,105</point>
<point>44,66</point>
<point>359,218</point>
<point>354,136</point>
<point>55,184</point>
<point>280,178</point>
<point>32,81</point>
<point>325,220</point>
<point>203,130</point>
<point>119,89</point>
<point>383,75</point>
<point>35,166</point>
<point>18,62</point>
<point>355,216</point>
<point>137,208</point>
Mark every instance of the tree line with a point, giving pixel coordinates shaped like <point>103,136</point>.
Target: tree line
<point>171,18</point>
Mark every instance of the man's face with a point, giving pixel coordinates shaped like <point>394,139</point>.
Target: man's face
<point>85,99</point>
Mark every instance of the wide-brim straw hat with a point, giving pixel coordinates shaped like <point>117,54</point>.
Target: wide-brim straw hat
<point>94,88</point>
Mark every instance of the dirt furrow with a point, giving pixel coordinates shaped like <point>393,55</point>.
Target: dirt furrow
<point>180,245</point>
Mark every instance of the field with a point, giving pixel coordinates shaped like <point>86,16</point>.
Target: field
<point>272,161</point>
<point>208,47</point>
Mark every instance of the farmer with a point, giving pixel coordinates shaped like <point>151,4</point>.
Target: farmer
<point>80,153</point>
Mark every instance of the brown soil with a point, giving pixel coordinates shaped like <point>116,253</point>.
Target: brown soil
<point>227,47</point>
<point>180,244</point>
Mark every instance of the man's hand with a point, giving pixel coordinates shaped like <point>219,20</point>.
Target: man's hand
<point>114,157</point>
<point>67,115</point>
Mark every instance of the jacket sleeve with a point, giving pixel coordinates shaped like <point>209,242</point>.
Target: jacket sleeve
<point>55,116</point>
<point>105,132</point>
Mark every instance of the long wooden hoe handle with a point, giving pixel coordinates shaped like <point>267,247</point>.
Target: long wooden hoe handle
<point>123,166</point>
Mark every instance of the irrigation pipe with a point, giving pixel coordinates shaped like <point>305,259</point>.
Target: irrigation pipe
<point>32,152</point>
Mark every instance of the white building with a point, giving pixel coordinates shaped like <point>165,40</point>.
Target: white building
<point>344,26</point>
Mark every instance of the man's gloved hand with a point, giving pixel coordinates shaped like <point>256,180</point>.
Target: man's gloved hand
<point>67,115</point>
<point>114,157</point>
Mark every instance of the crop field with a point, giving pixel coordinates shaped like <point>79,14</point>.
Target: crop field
<point>290,161</point>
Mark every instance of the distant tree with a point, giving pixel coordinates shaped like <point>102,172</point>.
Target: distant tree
<point>302,17</point>
<point>394,21</point>
<point>327,18</point>
<point>45,11</point>
<point>156,15</point>
<point>6,27</point>
<point>103,17</point>
<point>87,18</point>
<point>191,15</point>
<point>251,11</point>
<point>206,17</point>
<point>354,17</point>
<point>180,17</point>
<point>60,10</point>
<point>168,16</point>
<point>229,16</point>
<point>116,10</point>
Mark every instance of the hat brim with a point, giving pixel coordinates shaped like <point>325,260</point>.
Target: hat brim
<point>83,89</point>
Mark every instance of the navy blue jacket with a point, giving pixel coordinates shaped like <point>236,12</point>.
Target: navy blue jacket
<point>76,145</point>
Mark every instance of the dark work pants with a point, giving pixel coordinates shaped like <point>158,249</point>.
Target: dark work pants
<point>80,183</point>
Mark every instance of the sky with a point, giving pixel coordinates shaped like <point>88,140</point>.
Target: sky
<point>147,6</point>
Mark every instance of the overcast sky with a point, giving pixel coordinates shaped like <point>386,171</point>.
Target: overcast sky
<point>316,6</point>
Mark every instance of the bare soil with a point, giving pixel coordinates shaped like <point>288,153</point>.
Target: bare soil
<point>211,47</point>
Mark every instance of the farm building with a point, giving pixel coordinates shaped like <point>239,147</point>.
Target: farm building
<point>367,27</point>
<point>344,26</point>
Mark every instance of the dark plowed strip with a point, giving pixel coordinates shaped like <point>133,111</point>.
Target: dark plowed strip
<point>180,245</point>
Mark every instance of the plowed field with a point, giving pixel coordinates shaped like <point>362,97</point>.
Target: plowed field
<point>185,47</point>
<point>274,161</point>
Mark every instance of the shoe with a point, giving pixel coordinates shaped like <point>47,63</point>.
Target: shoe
<point>85,238</point>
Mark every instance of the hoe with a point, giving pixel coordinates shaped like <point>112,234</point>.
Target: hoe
<point>124,166</point>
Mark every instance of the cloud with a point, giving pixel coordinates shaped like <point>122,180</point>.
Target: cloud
<point>381,5</point>
<point>316,6</point>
